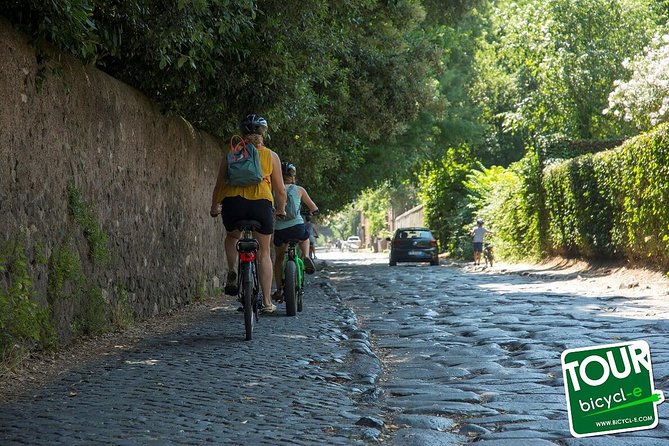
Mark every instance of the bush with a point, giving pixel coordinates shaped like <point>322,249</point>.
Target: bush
<point>613,203</point>
<point>23,322</point>
<point>445,198</point>
<point>508,200</point>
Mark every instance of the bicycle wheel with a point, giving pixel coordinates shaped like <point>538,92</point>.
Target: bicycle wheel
<point>300,299</point>
<point>300,286</point>
<point>247,299</point>
<point>290,287</point>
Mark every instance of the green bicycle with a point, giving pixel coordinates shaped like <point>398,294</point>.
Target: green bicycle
<point>293,279</point>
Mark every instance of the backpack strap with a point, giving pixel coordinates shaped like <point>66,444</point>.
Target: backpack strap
<point>240,145</point>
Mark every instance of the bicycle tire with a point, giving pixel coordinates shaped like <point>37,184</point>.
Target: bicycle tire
<point>290,287</point>
<point>247,299</point>
<point>300,284</point>
<point>300,300</point>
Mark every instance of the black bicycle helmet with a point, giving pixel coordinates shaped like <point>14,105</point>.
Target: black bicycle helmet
<point>288,169</point>
<point>253,124</point>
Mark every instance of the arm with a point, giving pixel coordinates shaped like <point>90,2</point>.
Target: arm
<point>306,199</point>
<point>216,196</point>
<point>277,186</point>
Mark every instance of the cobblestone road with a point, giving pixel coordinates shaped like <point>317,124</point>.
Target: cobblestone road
<point>468,356</point>
<point>474,356</point>
<point>301,381</point>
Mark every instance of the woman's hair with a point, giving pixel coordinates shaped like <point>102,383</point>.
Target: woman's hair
<point>254,138</point>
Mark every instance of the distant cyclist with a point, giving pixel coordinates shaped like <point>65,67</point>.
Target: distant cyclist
<point>477,234</point>
<point>292,228</point>
<point>254,202</point>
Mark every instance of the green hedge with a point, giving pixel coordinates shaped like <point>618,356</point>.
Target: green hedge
<point>508,200</point>
<point>613,203</point>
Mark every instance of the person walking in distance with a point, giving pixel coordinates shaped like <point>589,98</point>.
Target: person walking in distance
<point>478,234</point>
<point>313,234</point>
<point>251,202</point>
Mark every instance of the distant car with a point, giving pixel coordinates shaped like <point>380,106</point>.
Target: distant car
<point>353,243</point>
<point>413,245</point>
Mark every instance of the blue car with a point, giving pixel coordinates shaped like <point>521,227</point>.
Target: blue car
<point>413,245</point>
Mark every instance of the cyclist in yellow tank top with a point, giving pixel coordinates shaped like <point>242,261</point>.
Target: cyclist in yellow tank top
<point>254,202</point>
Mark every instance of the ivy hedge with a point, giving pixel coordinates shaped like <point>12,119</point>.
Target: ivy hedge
<point>613,203</point>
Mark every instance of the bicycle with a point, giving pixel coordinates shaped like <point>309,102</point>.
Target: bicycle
<point>249,292</point>
<point>488,254</point>
<point>293,279</point>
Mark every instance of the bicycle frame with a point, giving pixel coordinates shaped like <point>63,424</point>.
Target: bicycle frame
<point>247,280</point>
<point>291,256</point>
<point>488,254</point>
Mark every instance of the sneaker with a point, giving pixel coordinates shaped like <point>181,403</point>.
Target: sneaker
<point>231,284</point>
<point>309,266</point>
<point>277,296</point>
<point>268,309</point>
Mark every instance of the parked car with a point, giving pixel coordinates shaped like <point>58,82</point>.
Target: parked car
<point>413,245</point>
<point>353,243</point>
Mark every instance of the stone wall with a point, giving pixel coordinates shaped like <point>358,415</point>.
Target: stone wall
<point>414,217</point>
<point>145,177</point>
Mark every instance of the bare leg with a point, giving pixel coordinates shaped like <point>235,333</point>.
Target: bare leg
<point>279,253</point>
<point>304,247</point>
<point>265,266</point>
<point>231,239</point>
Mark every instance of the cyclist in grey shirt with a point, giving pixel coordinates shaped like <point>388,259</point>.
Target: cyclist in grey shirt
<point>477,234</point>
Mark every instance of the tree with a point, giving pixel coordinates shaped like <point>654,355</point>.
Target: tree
<point>644,98</point>
<point>445,196</point>
<point>341,82</point>
<point>374,204</point>
<point>563,56</point>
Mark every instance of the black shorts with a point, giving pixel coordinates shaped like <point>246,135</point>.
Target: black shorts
<point>478,246</point>
<point>297,232</point>
<point>238,208</point>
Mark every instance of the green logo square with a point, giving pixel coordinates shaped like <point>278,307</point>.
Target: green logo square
<point>609,389</point>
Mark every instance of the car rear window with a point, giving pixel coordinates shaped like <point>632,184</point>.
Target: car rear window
<point>414,234</point>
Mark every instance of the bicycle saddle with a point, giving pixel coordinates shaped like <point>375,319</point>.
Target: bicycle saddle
<point>243,225</point>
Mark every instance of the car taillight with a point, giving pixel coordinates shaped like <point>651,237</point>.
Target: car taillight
<point>433,243</point>
<point>396,242</point>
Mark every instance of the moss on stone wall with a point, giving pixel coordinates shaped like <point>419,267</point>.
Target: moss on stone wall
<point>93,316</point>
<point>24,324</point>
<point>66,281</point>
<point>84,216</point>
<point>122,315</point>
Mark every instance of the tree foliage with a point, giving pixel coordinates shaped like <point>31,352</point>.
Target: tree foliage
<point>378,96</point>
<point>339,81</point>
<point>558,59</point>
<point>643,99</point>
<point>375,203</point>
<point>445,197</point>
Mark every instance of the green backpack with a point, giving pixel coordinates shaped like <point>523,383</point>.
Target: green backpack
<point>293,202</point>
<point>243,163</point>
